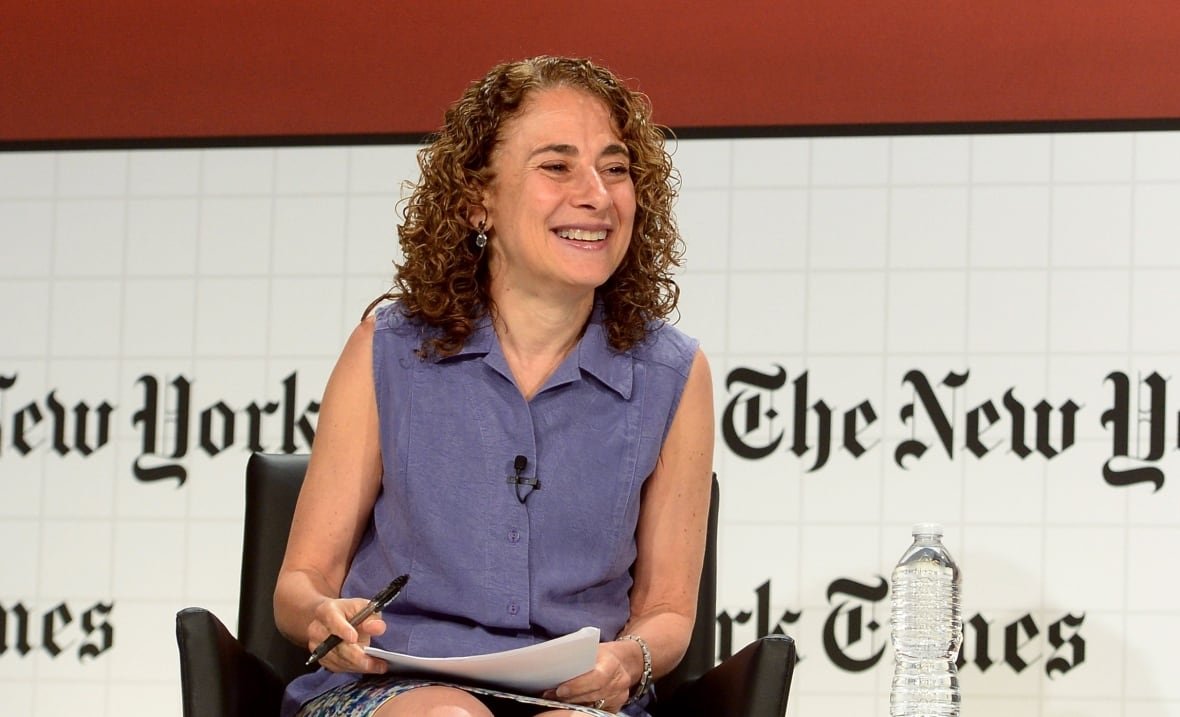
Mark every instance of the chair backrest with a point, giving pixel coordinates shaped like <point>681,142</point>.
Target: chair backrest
<point>272,488</point>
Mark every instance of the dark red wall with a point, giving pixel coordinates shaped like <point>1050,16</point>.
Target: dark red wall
<point>242,68</point>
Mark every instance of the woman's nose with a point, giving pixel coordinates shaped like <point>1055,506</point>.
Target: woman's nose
<point>590,190</point>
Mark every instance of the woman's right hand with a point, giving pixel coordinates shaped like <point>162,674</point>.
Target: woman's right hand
<point>331,618</point>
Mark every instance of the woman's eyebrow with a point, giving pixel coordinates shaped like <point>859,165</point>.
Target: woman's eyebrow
<point>570,150</point>
<point>615,149</point>
<point>566,149</point>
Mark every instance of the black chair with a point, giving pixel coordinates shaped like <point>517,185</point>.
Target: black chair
<point>224,676</point>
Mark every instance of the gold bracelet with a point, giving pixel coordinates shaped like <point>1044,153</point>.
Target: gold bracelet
<point>645,679</point>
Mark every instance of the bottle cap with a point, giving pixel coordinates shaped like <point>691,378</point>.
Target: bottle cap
<point>927,529</point>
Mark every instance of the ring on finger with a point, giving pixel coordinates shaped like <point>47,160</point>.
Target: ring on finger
<point>600,704</point>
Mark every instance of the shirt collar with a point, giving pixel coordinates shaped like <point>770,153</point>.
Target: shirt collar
<point>594,356</point>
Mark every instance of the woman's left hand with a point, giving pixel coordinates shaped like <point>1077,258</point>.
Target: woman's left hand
<point>608,680</point>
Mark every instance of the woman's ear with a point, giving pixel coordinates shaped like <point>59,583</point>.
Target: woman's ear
<point>478,218</point>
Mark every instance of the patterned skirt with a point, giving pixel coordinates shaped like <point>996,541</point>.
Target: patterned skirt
<point>363,697</point>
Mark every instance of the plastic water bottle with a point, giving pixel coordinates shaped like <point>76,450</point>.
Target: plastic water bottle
<point>927,629</point>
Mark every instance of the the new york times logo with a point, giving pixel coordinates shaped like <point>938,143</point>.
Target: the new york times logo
<point>57,630</point>
<point>1136,421</point>
<point>855,632</point>
<point>171,425</point>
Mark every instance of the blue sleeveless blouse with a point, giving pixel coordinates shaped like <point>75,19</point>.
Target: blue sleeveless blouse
<point>489,572</point>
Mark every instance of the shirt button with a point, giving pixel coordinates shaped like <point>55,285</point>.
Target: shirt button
<point>513,608</point>
<point>513,536</point>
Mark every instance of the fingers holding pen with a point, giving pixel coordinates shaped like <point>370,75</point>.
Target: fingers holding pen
<point>347,625</point>
<point>332,617</point>
<point>337,616</point>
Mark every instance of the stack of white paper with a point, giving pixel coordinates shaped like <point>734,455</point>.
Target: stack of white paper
<point>527,669</point>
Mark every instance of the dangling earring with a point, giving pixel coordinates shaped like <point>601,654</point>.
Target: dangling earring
<point>481,237</point>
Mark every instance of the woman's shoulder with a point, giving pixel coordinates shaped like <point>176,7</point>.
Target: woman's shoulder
<point>388,316</point>
<point>396,333</point>
<point>668,346</point>
<point>392,317</point>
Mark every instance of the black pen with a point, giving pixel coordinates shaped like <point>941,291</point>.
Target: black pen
<point>378,603</point>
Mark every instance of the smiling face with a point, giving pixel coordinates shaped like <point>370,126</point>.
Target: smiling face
<point>561,204</point>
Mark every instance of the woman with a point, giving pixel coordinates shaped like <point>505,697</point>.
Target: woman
<point>519,431</point>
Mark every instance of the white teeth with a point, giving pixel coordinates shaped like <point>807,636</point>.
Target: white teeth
<point>581,235</point>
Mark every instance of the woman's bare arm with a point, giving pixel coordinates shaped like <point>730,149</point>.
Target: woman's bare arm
<point>335,504</point>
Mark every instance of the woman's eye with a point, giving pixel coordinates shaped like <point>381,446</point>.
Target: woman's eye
<point>617,170</point>
<point>555,166</point>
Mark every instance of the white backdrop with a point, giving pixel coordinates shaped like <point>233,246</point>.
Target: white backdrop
<point>970,329</point>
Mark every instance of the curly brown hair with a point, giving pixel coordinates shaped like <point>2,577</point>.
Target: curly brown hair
<point>443,279</point>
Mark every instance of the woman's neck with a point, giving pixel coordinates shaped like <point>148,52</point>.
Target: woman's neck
<point>536,335</point>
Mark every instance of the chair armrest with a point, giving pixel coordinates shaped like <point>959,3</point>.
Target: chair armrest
<point>218,677</point>
<point>753,683</point>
